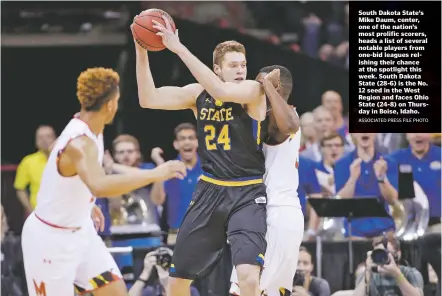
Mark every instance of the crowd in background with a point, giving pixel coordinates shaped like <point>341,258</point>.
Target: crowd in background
<point>332,162</point>
<point>318,29</point>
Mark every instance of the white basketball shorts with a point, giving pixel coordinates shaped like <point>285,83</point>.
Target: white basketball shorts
<point>57,260</point>
<point>285,228</point>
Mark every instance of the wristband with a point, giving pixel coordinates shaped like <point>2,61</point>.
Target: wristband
<point>311,232</point>
<point>381,179</point>
<point>401,277</point>
<point>142,280</point>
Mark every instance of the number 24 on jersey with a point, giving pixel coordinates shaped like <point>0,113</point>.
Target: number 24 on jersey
<point>214,139</point>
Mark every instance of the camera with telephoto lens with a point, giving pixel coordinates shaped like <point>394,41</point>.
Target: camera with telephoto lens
<point>380,257</point>
<point>164,258</point>
<point>299,278</point>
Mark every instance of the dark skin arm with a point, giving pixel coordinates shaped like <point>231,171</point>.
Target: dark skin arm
<point>80,157</point>
<point>285,118</point>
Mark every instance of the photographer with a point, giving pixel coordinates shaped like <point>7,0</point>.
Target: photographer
<point>304,284</point>
<point>383,274</point>
<point>148,283</point>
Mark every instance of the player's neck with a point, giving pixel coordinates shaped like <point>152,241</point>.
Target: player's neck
<point>93,120</point>
<point>366,153</point>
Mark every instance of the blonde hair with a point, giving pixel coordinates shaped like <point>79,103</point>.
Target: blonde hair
<point>126,138</point>
<point>227,46</point>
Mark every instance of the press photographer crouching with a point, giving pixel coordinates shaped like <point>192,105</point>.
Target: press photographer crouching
<point>153,279</point>
<point>383,273</point>
<point>304,283</point>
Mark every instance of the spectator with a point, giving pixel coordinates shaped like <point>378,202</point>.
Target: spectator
<point>436,139</point>
<point>179,192</point>
<point>391,278</point>
<point>332,101</point>
<point>309,285</point>
<point>103,204</point>
<point>13,274</point>
<point>308,187</point>
<point>326,52</point>
<point>366,173</point>
<point>341,53</point>
<point>308,136</point>
<point>388,142</point>
<point>312,35</point>
<point>150,283</point>
<point>332,149</point>
<point>425,160</point>
<point>30,169</point>
<point>126,151</point>
<point>324,125</point>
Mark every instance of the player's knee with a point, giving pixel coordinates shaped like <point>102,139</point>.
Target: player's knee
<point>177,286</point>
<point>248,275</point>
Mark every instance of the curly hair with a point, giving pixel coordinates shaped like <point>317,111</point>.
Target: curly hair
<point>225,47</point>
<point>95,87</point>
<point>285,78</point>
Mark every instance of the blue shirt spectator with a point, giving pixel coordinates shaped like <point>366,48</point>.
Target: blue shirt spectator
<point>103,203</point>
<point>179,194</point>
<point>367,183</point>
<point>425,160</point>
<point>332,149</point>
<point>308,182</point>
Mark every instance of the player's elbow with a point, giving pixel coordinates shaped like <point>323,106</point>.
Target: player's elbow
<point>291,128</point>
<point>144,101</point>
<point>98,189</point>
<point>147,100</point>
<point>98,192</point>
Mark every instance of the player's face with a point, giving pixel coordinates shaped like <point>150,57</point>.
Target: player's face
<point>324,122</point>
<point>127,153</point>
<point>419,141</point>
<point>186,143</point>
<point>333,149</point>
<point>112,108</point>
<point>364,140</point>
<point>233,67</point>
<point>305,262</point>
<point>332,101</point>
<point>45,136</point>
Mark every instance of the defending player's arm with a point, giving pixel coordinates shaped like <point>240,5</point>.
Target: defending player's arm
<point>167,97</point>
<point>286,118</point>
<point>82,153</point>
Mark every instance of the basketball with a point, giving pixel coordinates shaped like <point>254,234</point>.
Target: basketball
<point>143,31</point>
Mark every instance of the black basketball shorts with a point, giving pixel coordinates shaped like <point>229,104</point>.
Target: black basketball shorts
<point>218,213</point>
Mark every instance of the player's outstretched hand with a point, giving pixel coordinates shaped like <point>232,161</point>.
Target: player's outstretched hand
<point>170,38</point>
<point>172,169</point>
